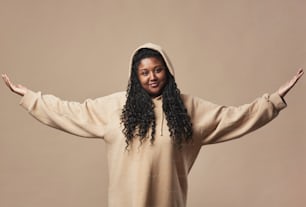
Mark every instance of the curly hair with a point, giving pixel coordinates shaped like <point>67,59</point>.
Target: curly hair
<point>138,112</point>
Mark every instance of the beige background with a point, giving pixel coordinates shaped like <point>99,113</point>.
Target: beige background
<point>228,52</point>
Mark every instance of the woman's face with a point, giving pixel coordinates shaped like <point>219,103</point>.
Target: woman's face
<point>152,75</point>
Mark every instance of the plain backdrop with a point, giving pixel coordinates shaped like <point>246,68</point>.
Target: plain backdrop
<point>228,52</point>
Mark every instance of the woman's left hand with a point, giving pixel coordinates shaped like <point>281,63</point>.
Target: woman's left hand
<point>284,89</point>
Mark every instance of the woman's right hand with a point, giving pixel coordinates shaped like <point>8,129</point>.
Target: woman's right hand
<point>18,89</point>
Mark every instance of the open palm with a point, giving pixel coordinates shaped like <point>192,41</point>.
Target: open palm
<point>18,89</point>
<point>284,89</point>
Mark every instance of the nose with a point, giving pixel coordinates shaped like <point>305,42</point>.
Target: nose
<point>153,76</point>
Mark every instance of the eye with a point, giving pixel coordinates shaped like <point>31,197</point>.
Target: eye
<point>158,70</point>
<point>144,73</point>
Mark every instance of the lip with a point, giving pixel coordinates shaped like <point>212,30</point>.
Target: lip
<point>153,85</point>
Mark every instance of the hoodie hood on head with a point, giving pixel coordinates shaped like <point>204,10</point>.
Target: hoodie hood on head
<point>157,48</point>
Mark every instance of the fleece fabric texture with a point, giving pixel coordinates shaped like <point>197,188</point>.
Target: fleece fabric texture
<point>151,175</point>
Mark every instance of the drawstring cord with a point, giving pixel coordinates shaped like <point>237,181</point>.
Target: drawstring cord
<point>162,125</point>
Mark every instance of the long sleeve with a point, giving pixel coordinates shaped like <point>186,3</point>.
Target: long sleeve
<point>87,119</point>
<point>214,123</point>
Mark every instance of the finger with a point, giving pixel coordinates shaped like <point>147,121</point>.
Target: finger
<point>9,83</point>
<point>300,72</point>
<point>4,77</point>
<point>7,80</point>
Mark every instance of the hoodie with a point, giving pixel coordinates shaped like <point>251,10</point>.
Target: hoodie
<point>151,175</point>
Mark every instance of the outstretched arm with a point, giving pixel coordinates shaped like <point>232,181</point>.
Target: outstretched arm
<point>233,122</point>
<point>82,119</point>
<point>284,89</point>
<point>18,89</point>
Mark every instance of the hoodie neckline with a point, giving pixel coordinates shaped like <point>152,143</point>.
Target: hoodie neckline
<point>157,98</point>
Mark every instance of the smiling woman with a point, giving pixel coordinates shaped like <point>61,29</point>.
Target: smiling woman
<point>153,133</point>
<point>151,77</point>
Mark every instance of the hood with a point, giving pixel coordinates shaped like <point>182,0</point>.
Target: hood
<point>157,48</point>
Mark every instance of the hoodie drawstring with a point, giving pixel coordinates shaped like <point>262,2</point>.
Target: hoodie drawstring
<point>162,125</point>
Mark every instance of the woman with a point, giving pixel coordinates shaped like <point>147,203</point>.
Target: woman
<point>152,132</point>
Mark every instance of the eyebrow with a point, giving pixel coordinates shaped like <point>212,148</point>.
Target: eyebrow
<point>159,65</point>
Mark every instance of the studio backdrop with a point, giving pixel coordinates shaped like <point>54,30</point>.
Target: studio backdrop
<point>227,52</point>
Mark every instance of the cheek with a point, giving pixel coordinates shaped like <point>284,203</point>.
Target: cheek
<point>142,81</point>
<point>163,77</point>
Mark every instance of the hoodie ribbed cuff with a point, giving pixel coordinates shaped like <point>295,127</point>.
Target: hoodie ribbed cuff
<point>278,101</point>
<point>27,101</point>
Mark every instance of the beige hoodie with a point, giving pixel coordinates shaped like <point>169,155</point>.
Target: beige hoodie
<point>151,175</point>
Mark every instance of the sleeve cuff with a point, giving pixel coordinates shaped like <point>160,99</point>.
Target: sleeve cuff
<point>278,101</point>
<point>27,101</point>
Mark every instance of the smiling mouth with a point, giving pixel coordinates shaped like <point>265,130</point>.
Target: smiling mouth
<point>153,85</point>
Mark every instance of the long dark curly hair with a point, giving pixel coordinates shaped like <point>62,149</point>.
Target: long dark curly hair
<point>138,112</point>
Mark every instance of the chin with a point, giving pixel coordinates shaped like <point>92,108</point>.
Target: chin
<point>155,94</point>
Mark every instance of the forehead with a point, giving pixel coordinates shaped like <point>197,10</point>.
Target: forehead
<point>149,62</point>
